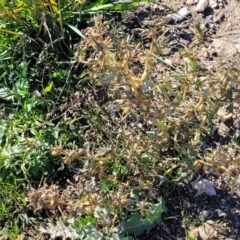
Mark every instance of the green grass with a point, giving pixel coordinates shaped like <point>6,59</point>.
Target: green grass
<point>37,46</point>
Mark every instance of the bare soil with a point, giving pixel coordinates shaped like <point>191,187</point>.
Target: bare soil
<point>219,215</point>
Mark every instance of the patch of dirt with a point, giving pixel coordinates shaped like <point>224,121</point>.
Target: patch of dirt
<point>227,38</point>
<point>187,212</point>
<point>221,22</point>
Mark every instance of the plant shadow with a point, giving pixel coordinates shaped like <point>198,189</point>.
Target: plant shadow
<point>186,209</point>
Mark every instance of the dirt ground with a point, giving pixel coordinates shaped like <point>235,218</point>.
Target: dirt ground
<point>205,217</point>
<point>223,26</point>
<point>216,217</point>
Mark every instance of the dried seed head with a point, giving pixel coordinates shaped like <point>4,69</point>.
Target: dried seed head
<point>198,165</point>
<point>56,151</point>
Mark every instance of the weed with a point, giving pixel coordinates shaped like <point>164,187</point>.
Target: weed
<point>72,99</point>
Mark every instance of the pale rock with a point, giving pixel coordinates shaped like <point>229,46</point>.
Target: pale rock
<point>202,5</point>
<point>213,4</point>
<point>179,16</point>
<point>204,186</point>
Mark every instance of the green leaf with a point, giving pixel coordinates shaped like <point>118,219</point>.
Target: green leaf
<point>193,64</point>
<point>4,93</point>
<point>48,88</point>
<point>87,220</point>
<point>76,30</point>
<point>10,32</point>
<point>137,225</point>
<point>5,56</point>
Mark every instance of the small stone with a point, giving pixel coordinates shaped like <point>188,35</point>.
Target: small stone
<point>179,16</point>
<point>36,93</point>
<point>220,213</point>
<point>213,4</point>
<point>202,5</point>
<point>209,19</point>
<point>204,186</point>
<point>205,215</point>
